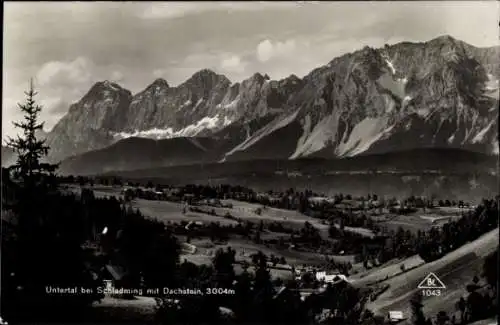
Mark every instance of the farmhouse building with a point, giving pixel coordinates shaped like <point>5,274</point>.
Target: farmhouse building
<point>395,316</point>
<point>330,278</point>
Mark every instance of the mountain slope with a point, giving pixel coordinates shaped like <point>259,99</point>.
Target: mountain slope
<point>450,173</point>
<point>404,96</point>
<point>137,153</point>
<point>180,157</point>
<point>438,94</point>
<point>201,106</point>
<point>85,126</point>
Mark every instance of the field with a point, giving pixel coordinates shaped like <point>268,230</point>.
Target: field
<point>386,271</point>
<point>456,270</point>
<point>169,211</point>
<point>206,250</point>
<point>422,220</point>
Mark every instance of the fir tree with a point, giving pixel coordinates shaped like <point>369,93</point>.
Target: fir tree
<point>417,317</point>
<point>29,149</point>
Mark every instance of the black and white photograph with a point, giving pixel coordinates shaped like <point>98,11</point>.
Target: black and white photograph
<point>253,162</point>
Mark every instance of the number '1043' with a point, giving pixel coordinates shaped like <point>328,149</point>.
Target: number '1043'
<point>431,292</point>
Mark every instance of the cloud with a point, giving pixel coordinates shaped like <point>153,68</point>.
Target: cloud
<point>266,50</point>
<point>57,73</point>
<point>233,63</point>
<point>117,76</point>
<point>175,39</point>
<point>180,9</point>
<point>159,73</point>
<point>50,102</point>
<point>61,83</point>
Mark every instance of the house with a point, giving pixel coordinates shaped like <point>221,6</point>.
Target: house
<point>395,316</point>
<point>331,278</point>
<point>193,225</point>
<point>188,248</point>
<point>280,292</point>
<point>226,312</point>
<point>114,276</point>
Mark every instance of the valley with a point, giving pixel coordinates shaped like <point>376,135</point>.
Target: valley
<point>400,275</point>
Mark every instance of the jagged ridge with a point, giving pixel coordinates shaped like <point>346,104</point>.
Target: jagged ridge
<point>441,93</point>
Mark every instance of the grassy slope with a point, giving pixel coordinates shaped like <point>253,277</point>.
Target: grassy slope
<point>456,270</point>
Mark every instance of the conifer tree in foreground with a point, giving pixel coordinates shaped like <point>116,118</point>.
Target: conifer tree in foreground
<point>29,149</point>
<point>43,247</point>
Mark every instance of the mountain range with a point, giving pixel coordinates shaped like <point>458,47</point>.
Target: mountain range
<point>442,93</point>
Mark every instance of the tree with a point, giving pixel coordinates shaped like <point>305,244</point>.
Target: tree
<point>243,296</point>
<point>417,317</point>
<point>263,288</point>
<point>29,149</point>
<point>442,318</point>
<point>223,265</point>
<point>461,305</point>
<point>47,235</point>
<point>490,270</point>
<point>476,303</point>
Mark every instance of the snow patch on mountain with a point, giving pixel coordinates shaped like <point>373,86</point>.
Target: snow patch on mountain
<point>363,136</point>
<point>198,103</point>
<point>262,133</point>
<point>317,139</point>
<point>306,126</point>
<point>390,65</point>
<point>233,104</point>
<point>197,143</point>
<point>492,87</point>
<point>450,139</point>
<point>492,82</point>
<point>480,135</point>
<point>390,105</point>
<point>227,121</point>
<point>495,150</point>
<point>109,84</point>
<point>206,123</point>
<point>423,112</point>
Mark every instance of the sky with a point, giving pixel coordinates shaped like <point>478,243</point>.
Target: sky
<point>68,46</point>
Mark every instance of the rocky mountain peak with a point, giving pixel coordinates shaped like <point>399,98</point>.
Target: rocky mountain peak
<point>207,77</point>
<point>205,80</point>
<point>256,79</point>
<point>107,85</point>
<point>105,89</point>
<point>443,39</point>
<point>160,82</point>
<point>427,93</point>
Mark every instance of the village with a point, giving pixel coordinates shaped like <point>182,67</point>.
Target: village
<point>274,223</point>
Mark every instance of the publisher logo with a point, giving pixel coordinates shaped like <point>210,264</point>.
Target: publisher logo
<point>431,281</point>
<point>431,285</point>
